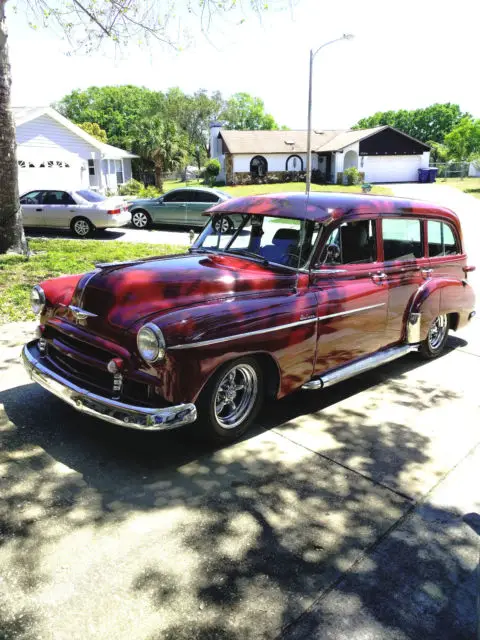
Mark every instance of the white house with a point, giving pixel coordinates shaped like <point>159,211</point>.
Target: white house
<point>381,154</point>
<point>54,153</point>
<point>474,169</point>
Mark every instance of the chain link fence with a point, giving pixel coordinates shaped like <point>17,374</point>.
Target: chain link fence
<point>451,169</point>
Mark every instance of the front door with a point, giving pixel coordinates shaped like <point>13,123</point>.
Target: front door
<point>352,296</point>
<point>32,209</point>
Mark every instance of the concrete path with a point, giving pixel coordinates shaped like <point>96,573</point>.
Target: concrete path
<point>347,514</point>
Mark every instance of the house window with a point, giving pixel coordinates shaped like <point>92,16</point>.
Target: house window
<point>258,167</point>
<point>119,171</point>
<point>91,167</point>
<point>294,163</point>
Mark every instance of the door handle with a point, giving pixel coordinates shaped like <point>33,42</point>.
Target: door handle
<point>38,209</point>
<point>426,273</point>
<point>379,277</point>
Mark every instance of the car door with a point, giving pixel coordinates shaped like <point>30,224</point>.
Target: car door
<point>199,202</point>
<point>352,296</point>
<point>58,208</point>
<point>174,207</point>
<point>405,268</point>
<point>32,209</point>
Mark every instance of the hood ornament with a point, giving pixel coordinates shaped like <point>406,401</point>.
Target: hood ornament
<point>81,314</point>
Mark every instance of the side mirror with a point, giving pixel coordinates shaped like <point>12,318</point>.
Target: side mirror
<point>333,253</point>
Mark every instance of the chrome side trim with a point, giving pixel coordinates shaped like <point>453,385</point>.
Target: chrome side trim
<point>359,366</point>
<point>207,343</point>
<point>87,282</point>
<point>347,313</point>
<point>119,413</point>
<point>81,314</point>
<point>413,328</point>
<point>248,334</point>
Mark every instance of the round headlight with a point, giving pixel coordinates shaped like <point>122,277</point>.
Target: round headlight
<point>151,343</point>
<point>37,299</point>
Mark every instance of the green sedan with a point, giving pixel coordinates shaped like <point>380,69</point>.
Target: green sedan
<point>183,206</point>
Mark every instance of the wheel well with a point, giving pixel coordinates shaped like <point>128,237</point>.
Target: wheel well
<point>140,209</point>
<point>271,371</point>
<point>454,319</point>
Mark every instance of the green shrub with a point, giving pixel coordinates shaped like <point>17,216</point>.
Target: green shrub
<point>212,169</point>
<point>352,175</point>
<point>149,192</point>
<point>130,188</point>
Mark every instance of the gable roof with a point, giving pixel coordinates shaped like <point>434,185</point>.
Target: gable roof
<point>296,141</point>
<point>22,115</point>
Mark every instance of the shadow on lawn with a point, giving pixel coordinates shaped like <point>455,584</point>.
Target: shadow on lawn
<point>244,537</point>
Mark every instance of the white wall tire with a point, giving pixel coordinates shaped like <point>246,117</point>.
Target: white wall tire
<point>434,343</point>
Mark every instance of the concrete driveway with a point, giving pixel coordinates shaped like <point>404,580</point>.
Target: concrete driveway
<point>352,513</point>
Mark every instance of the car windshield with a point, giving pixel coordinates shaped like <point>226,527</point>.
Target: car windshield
<point>284,241</point>
<point>91,196</point>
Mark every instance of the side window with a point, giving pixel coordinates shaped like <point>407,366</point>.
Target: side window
<point>204,196</point>
<point>402,239</point>
<point>58,198</point>
<point>177,196</point>
<point>441,240</point>
<point>34,197</point>
<point>351,243</point>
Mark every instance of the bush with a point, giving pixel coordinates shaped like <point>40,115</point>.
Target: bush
<point>149,192</point>
<point>130,188</point>
<point>212,169</point>
<point>352,175</point>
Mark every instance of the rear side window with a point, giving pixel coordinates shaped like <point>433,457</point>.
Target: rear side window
<point>441,240</point>
<point>205,196</point>
<point>402,239</point>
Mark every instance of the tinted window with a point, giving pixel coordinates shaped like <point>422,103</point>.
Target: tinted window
<point>205,196</point>
<point>91,196</point>
<point>351,243</point>
<point>223,194</point>
<point>441,240</point>
<point>180,196</point>
<point>58,197</point>
<point>402,239</point>
<point>34,197</point>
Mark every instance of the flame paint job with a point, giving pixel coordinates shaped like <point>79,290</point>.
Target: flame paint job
<point>195,298</point>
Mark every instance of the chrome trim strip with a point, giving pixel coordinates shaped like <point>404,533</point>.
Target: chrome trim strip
<point>119,413</point>
<point>346,313</point>
<point>87,282</point>
<point>81,314</point>
<point>207,343</point>
<point>413,328</point>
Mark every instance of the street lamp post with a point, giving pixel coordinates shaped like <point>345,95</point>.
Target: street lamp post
<point>346,36</point>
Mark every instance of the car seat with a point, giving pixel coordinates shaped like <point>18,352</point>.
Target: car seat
<point>284,242</point>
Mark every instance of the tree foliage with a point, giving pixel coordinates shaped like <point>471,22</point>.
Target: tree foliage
<point>243,111</point>
<point>463,142</point>
<point>432,123</point>
<point>94,130</point>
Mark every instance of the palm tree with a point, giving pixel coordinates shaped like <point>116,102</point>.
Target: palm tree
<point>163,144</point>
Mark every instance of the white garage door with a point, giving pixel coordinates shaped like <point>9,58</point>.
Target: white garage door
<point>391,168</point>
<point>52,173</point>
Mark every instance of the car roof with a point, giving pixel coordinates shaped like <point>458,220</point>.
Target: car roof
<point>325,206</point>
<point>206,189</point>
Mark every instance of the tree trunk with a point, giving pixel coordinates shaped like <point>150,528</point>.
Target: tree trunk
<point>12,237</point>
<point>158,173</point>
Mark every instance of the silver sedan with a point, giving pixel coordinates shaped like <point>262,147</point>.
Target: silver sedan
<point>82,211</point>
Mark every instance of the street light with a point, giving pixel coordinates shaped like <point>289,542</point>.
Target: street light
<point>346,36</point>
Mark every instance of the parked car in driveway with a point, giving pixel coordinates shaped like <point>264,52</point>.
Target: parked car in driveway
<point>306,293</point>
<point>82,211</point>
<point>183,207</point>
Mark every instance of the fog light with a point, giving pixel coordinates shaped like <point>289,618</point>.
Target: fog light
<point>115,365</point>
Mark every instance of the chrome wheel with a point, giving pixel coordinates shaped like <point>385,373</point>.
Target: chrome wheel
<point>81,227</point>
<point>437,332</point>
<point>224,225</point>
<point>236,396</point>
<point>140,219</point>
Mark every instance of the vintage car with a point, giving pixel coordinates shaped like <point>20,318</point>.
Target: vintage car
<point>306,292</point>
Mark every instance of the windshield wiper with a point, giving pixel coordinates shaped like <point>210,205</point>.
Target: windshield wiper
<point>202,250</point>
<point>248,254</point>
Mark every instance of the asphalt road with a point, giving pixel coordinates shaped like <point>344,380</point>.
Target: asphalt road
<point>349,513</point>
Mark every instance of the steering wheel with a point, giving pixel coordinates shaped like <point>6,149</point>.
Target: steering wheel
<point>289,259</point>
<point>29,201</point>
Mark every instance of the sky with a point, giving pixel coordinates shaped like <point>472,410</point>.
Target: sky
<point>404,55</point>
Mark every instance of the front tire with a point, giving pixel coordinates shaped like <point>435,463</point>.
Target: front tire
<point>231,400</point>
<point>141,219</point>
<point>437,337</point>
<point>81,227</point>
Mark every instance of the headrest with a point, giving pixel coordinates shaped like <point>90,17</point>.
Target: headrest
<point>286,234</point>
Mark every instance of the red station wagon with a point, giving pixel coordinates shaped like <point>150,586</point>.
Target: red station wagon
<point>305,293</point>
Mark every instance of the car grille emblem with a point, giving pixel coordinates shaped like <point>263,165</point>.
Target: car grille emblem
<point>81,314</point>
<point>117,385</point>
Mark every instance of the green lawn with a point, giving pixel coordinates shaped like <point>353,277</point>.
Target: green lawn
<point>59,257</point>
<point>257,189</point>
<point>468,185</point>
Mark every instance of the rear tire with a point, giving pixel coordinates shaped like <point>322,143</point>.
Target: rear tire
<point>231,400</point>
<point>141,219</point>
<point>224,224</point>
<point>434,343</point>
<point>81,227</point>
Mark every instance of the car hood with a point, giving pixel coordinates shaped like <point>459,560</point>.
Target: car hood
<point>122,294</point>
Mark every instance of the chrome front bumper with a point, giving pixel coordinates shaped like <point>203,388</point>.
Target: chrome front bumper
<point>125,415</point>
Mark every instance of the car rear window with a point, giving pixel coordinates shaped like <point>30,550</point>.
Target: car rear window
<point>91,196</point>
<point>402,239</point>
<point>441,239</point>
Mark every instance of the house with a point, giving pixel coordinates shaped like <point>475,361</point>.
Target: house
<point>52,152</point>
<point>381,154</point>
<point>474,169</point>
